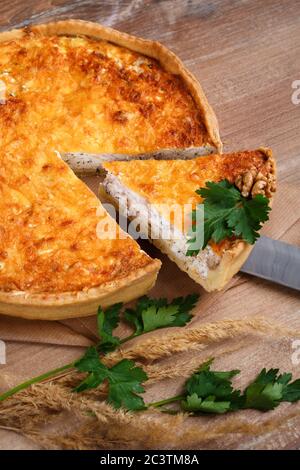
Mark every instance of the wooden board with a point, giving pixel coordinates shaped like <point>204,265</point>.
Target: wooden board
<point>246,55</point>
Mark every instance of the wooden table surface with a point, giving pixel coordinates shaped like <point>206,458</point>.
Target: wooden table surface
<point>246,54</point>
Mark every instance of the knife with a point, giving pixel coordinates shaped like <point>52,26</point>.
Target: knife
<point>274,261</point>
<point>270,259</point>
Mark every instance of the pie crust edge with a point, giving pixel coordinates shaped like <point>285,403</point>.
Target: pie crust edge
<point>50,306</point>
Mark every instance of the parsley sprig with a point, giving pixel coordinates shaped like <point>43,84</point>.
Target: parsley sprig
<point>208,391</point>
<point>270,388</point>
<point>226,214</point>
<point>124,380</point>
<point>150,314</point>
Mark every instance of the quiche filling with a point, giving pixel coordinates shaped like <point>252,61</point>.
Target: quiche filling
<point>152,221</point>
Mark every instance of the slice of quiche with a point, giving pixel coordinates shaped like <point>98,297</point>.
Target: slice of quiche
<point>155,192</point>
<point>61,254</point>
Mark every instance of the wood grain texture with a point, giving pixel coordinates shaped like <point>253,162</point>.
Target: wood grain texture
<point>246,54</point>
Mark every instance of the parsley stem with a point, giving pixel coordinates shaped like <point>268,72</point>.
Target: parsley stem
<point>157,404</point>
<point>47,375</point>
<point>37,379</point>
<point>53,373</point>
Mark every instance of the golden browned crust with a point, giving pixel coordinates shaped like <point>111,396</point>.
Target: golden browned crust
<point>217,278</point>
<point>100,98</point>
<point>231,261</point>
<point>50,306</point>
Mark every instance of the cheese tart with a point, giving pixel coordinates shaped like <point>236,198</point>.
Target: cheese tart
<point>146,190</point>
<point>78,86</point>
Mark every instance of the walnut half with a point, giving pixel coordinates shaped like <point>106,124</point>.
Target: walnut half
<point>253,182</point>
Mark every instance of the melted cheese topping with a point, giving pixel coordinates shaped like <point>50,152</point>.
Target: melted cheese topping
<point>48,230</point>
<point>166,183</point>
<point>79,94</point>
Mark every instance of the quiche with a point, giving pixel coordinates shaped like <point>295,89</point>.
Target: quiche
<point>77,86</point>
<point>155,192</point>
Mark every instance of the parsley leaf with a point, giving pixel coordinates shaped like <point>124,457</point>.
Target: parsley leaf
<point>151,314</point>
<point>269,389</point>
<point>265,392</point>
<point>107,321</point>
<point>124,380</point>
<point>185,305</point>
<point>154,318</point>
<point>291,392</point>
<point>226,214</point>
<point>208,405</point>
<point>211,390</point>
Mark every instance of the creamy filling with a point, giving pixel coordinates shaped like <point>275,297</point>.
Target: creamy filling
<point>134,206</point>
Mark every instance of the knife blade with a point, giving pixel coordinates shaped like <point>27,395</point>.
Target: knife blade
<point>275,261</point>
<point>91,163</point>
